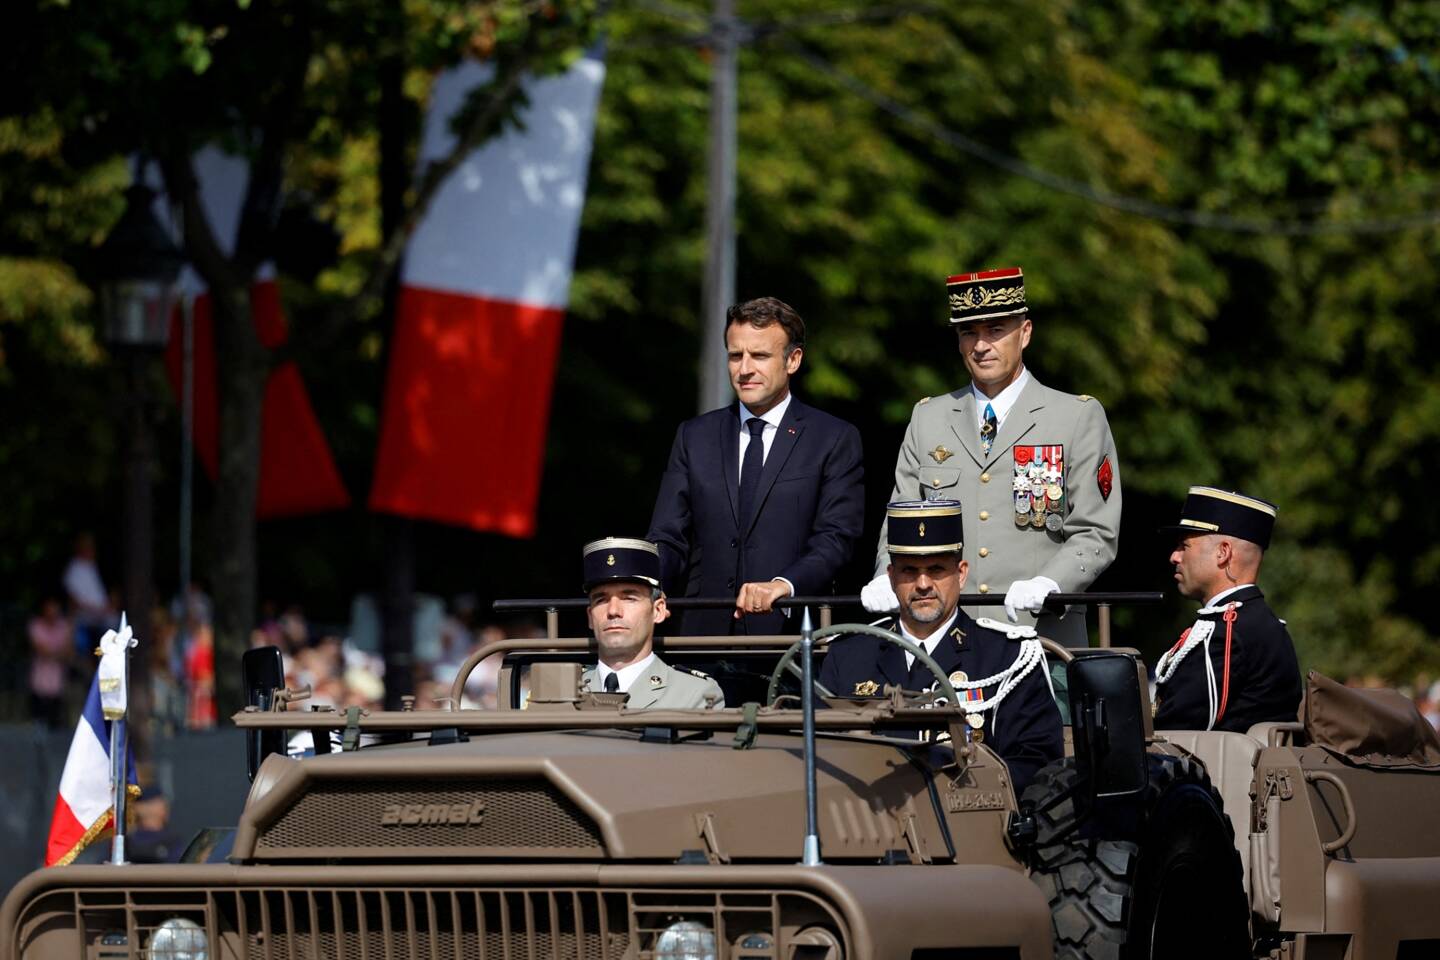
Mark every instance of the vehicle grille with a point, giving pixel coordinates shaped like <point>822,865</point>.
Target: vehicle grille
<point>344,818</point>
<point>343,923</point>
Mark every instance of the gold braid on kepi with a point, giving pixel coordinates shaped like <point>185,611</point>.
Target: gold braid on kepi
<point>924,526</point>
<point>986,295</point>
<point>621,558</point>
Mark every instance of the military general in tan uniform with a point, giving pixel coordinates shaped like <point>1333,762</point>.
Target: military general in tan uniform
<point>622,580</point>
<point>1035,468</point>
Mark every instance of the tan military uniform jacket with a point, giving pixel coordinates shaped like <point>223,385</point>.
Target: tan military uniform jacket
<point>663,687</point>
<point>942,458</point>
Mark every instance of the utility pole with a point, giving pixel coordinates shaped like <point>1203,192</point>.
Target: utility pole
<point>719,287</point>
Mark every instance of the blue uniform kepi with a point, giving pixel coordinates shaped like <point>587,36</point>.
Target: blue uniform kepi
<point>1019,719</point>
<point>1235,666</point>
<point>660,685</point>
<point>621,558</point>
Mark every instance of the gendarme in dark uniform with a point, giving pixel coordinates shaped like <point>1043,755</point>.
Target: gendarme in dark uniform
<point>1024,726</point>
<point>1253,676</point>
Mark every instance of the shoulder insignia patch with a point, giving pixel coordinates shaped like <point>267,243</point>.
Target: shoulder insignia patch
<point>1012,631</point>
<point>1105,478</point>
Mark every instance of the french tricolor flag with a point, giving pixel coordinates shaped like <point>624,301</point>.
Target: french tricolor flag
<point>297,471</point>
<point>484,288</point>
<point>85,809</point>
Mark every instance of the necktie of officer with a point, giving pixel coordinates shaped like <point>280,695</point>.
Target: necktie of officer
<point>750,469</point>
<point>612,683</point>
<point>920,677</point>
<point>988,428</point>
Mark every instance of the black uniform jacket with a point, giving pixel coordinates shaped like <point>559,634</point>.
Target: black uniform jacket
<point>1264,675</point>
<point>1028,733</point>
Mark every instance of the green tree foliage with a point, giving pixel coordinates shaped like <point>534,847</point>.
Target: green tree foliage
<point>276,83</point>
<point>1260,323</point>
<point>1225,213</point>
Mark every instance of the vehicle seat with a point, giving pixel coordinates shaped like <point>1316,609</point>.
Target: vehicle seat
<point>1261,732</point>
<point>1230,760</point>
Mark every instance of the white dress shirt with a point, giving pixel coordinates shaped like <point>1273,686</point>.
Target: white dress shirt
<point>929,643</point>
<point>772,420</point>
<point>627,675</point>
<point>1000,404</point>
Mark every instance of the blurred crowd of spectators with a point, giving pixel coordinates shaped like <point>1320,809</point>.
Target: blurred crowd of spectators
<point>65,631</point>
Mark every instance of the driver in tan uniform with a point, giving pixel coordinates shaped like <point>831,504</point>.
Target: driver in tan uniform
<point>622,580</point>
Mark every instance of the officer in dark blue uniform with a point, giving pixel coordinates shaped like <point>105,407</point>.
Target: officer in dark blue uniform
<point>1235,666</point>
<point>997,668</point>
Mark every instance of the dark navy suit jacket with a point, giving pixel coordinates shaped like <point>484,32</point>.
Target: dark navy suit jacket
<point>1027,734</point>
<point>804,525</point>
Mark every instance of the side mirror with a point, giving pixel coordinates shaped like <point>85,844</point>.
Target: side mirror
<point>262,672</point>
<point>1107,715</point>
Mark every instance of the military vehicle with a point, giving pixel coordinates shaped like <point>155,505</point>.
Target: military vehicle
<point>564,825</point>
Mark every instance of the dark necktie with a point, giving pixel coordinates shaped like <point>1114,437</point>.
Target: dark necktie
<point>750,469</point>
<point>612,683</point>
<point>920,676</point>
<point>988,428</point>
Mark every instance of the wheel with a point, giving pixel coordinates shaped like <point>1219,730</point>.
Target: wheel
<point>1189,898</point>
<point>1089,886</point>
<point>1167,886</point>
<point>844,629</point>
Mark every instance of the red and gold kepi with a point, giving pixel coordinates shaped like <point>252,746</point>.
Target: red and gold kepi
<point>986,295</point>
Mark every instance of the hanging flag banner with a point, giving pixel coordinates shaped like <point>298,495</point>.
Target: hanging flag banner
<point>297,472</point>
<point>484,288</point>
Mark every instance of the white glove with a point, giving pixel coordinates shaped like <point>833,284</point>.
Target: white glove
<point>1028,595</point>
<point>877,596</point>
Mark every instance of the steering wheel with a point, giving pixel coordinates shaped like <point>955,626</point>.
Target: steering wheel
<point>846,629</point>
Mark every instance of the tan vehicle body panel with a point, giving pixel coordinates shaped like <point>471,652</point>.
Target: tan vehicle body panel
<point>884,913</point>
<point>1378,889</point>
<point>730,805</point>
<point>557,808</point>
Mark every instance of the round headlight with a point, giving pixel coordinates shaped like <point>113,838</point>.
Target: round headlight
<point>179,939</point>
<point>685,940</point>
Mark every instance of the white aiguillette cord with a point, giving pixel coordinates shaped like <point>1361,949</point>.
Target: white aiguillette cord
<point>1199,633</point>
<point>1031,655</point>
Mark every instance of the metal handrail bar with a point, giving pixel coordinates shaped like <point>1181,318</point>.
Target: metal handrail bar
<point>724,718</point>
<point>840,600</point>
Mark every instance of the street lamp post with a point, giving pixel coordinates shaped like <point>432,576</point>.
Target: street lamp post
<point>139,266</point>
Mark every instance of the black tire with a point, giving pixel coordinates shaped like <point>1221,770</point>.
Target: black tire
<point>1051,799</point>
<point>1189,897</point>
<point>1170,887</point>
<point>1088,885</point>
